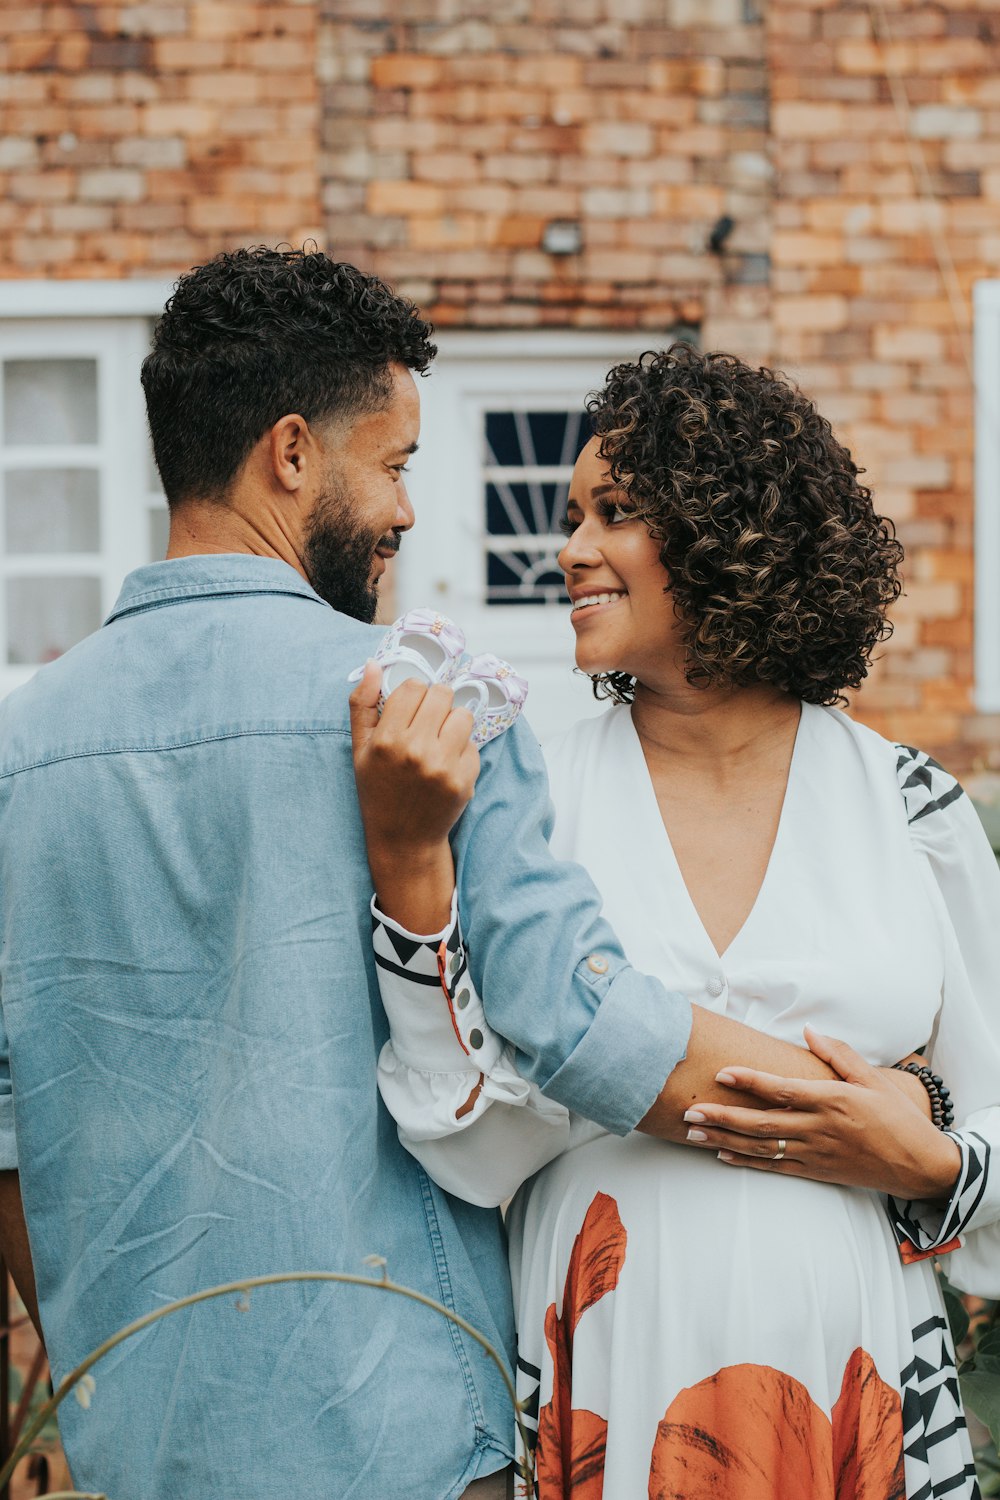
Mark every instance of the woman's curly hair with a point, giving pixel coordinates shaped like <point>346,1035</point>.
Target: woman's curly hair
<point>777,564</point>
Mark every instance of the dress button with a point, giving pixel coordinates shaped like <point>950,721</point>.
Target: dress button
<point>597,964</point>
<point>475,1039</point>
<point>463,999</point>
<point>715,985</point>
<point>456,963</point>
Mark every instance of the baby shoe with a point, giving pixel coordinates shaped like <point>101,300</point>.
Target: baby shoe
<point>421,644</point>
<point>430,647</point>
<point>503,693</point>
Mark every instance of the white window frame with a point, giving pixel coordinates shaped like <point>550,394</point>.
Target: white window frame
<point>986,322</point>
<point>107,322</point>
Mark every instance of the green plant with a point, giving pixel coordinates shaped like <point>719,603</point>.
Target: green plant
<point>82,1382</point>
<point>975,1327</point>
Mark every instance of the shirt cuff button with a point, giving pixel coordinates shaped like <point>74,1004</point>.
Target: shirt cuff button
<point>597,964</point>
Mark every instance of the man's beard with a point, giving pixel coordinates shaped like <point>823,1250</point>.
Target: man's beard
<point>339,555</point>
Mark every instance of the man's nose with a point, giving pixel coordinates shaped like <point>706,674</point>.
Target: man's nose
<point>404,510</point>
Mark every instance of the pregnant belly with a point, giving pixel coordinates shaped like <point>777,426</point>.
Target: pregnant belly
<point>712,1266</point>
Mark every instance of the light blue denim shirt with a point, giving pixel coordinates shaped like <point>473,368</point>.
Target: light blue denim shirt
<point>190,1027</point>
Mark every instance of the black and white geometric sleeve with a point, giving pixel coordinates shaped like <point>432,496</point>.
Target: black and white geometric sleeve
<point>927,787</point>
<point>924,1229</point>
<point>960,875</point>
<point>448,1079</point>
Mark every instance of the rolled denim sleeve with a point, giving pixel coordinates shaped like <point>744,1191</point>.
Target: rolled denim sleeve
<point>8,1147</point>
<point>592,1032</point>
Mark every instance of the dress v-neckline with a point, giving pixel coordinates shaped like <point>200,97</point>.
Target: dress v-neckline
<point>659,835</point>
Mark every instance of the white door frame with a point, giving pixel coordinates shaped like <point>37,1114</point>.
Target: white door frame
<point>986,323</point>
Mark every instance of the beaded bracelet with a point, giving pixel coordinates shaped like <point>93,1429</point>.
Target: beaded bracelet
<point>942,1112</point>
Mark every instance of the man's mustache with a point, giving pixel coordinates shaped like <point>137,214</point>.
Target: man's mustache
<point>390,543</point>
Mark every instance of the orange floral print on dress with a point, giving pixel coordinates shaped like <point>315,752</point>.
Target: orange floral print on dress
<point>747,1433</point>
<point>754,1433</point>
<point>868,1435</point>
<point>569,1459</point>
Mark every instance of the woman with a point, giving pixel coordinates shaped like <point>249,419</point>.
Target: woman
<point>686,1330</point>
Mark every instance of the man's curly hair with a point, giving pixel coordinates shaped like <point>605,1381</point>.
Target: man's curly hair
<point>778,566</point>
<point>258,333</point>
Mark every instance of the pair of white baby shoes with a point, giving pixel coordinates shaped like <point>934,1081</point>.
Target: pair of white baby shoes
<point>431,648</point>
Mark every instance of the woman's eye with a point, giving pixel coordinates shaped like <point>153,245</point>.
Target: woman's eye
<point>613,514</point>
<point>567,527</point>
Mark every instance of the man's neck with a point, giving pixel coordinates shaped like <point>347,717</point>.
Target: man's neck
<point>200,527</point>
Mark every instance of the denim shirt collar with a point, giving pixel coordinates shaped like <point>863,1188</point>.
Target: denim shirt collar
<point>205,575</point>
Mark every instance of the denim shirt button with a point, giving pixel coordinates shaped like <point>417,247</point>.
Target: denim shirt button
<point>597,964</point>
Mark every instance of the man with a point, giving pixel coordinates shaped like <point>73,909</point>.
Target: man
<point>190,1011</point>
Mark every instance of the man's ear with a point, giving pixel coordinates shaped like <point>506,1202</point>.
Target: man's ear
<point>292,450</point>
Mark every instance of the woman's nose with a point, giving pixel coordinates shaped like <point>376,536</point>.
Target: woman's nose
<point>578,551</point>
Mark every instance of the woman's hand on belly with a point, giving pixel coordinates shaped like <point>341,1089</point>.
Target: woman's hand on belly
<point>863,1132</point>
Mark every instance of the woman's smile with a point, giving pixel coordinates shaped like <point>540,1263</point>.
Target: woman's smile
<point>589,603</point>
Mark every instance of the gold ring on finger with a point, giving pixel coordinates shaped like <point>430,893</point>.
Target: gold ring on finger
<point>782,1148</point>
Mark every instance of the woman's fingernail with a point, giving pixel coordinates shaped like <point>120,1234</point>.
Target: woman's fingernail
<point>694,1117</point>
<point>725,1078</point>
<point>726,1156</point>
<point>697,1135</point>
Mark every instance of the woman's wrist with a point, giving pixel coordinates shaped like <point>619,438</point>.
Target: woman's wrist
<point>414,886</point>
<point>907,1084</point>
<point>939,1169</point>
<point>937,1091</point>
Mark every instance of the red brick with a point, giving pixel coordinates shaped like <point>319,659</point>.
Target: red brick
<point>406,71</point>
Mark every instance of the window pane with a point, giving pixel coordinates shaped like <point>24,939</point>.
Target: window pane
<point>524,578</point>
<point>516,509</point>
<point>50,401</point>
<point>535,437</point>
<point>45,616</point>
<point>53,510</point>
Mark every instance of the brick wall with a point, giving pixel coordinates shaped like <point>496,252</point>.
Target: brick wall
<point>434,141</point>
<point>861,311</point>
<point>135,138</point>
<point>449,145</point>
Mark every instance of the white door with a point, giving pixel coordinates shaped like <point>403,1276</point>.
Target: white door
<point>76,493</point>
<point>502,422</point>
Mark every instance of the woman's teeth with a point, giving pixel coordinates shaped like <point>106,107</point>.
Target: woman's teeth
<point>596,599</point>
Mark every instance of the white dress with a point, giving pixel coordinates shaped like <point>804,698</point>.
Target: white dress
<point>689,1329</point>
